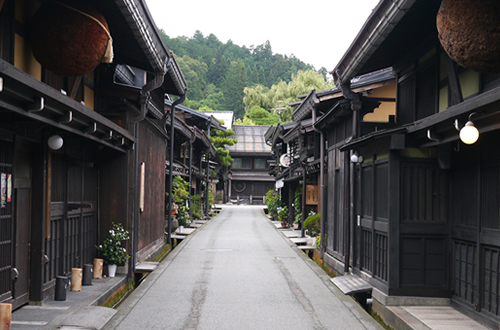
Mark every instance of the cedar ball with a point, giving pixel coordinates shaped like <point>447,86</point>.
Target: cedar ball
<point>67,42</point>
<point>469,31</point>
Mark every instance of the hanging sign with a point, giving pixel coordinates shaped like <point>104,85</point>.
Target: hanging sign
<point>312,197</point>
<point>4,189</point>
<point>285,160</point>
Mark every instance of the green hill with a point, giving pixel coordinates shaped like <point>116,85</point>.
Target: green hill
<point>217,72</point>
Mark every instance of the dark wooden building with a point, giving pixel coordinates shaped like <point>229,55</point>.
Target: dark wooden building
<point>419,220</point>
<point>58,202</point>
<point>249,180</point>
<point>193,147</point>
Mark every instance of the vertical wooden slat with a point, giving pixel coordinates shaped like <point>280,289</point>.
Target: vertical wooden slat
<point>48,194</point>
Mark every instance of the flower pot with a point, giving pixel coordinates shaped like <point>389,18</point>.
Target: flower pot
<point>111,270</point>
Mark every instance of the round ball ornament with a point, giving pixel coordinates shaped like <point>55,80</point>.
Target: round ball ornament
<point>70,39</point>
<point>469,31</point>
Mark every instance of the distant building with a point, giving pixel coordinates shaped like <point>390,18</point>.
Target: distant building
<point>250,180</point>
<point>225,116</point>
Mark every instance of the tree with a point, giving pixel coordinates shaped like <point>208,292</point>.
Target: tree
<point>194,73</point>
<point>261,116</point>
<point>205,61</point>
<point>220,139</point>
<point>277,98</point>
<point>217,71</point>
<point>233,87</point>
<point>257,96</point>
<point>245,121</point>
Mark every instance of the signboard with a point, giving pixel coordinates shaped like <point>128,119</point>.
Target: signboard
<point>280,183</point>
<point>285,160</point>
<point>312,196</point>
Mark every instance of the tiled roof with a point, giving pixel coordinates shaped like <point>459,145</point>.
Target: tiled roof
<point>250,139</point>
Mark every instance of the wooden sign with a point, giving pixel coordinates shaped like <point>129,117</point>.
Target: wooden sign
<point>312,195</point>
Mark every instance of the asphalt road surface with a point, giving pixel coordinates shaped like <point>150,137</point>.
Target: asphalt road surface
<point>239,272</point>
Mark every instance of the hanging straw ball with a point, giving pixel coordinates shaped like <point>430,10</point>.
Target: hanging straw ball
<point>67,39</point>
<point>469,31</point>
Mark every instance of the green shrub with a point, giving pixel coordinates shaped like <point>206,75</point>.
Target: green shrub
<point>297,204</point>
<point>312,224</point>
<point>196,206</point>
<point>272,202</point>
<point>283,212</point>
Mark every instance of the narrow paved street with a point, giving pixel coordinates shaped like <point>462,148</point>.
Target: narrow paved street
<point>239,272</point>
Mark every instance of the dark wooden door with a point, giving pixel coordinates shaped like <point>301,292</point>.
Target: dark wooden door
<point>73,222</point>
<point>23,215</point>
<point>6,223</point>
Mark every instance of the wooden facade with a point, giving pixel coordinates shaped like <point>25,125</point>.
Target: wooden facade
<point>193,147</point>
<point>249,181</point>
<point>57,205</point>
<point>418,216</point>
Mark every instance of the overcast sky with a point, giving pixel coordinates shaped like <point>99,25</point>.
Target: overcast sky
<point>317,32</point>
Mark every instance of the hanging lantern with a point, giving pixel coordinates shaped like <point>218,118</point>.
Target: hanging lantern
<point>470,33</point>
<point>70,39</point>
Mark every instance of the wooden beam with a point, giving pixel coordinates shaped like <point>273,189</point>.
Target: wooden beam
<point>453,82</point>
<point>74,87</point>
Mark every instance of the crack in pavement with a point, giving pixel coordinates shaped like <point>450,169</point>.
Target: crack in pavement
<point>198,296</point>
<point>299,295</point>
<point>197,300</point>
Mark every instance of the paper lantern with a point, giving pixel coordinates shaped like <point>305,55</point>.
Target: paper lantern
<point>70,39</point>
<point>469,31</point>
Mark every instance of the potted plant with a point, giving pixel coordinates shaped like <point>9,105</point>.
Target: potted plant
<point>175,207</point>
<point>113,253</point>
<point>283,215</point>
<point>273,202</point>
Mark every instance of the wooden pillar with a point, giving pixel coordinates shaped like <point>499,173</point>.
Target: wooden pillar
<point>40,216</point>
<point>394,219</point>
<point>347,208</point>
<point>303,206</point>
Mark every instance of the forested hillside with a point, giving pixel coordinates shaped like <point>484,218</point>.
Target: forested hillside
<point>217,73</point>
